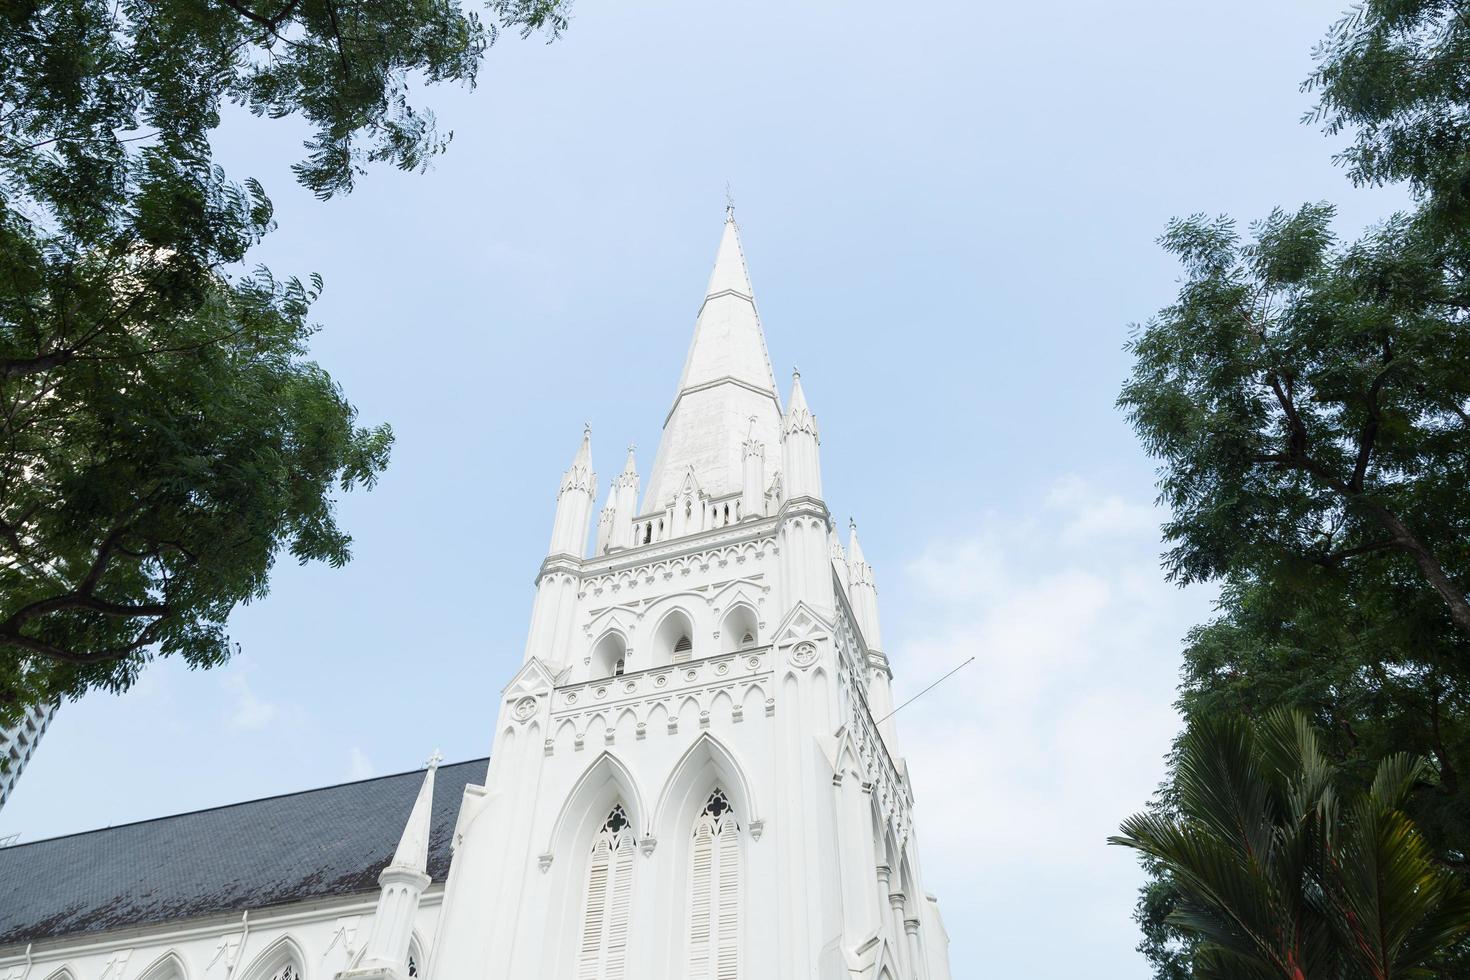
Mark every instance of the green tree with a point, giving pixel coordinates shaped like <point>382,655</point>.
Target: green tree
<point>163,435</point>
<point>1392,73</point>
<point>1309,401</point>
<point>1309,404</point>
<point>1285,871</point>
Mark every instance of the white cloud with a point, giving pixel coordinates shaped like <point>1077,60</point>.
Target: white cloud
<point>359,766</point>
<point>1025,761</point>
<point>249,711</point>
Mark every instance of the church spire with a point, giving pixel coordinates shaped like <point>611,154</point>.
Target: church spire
<point>402,883</point>
<point>574,502</point>
<point>413,846</point>
<point>727,378</point>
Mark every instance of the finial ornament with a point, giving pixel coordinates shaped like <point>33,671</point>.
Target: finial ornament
<point>795,373</point>
<point>729,203</point>
<point>435,759</point>
<point>586,428</point>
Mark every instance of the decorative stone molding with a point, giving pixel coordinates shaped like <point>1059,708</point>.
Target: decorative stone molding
<point>524,709</point>
<point>544,861</point>
<point>647,844</point>
<point>804,654</point>
<point>757,827</point>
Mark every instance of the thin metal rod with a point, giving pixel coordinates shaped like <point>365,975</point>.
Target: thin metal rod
<point>923,692</point>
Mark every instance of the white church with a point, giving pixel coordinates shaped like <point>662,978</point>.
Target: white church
<point>694,775</point>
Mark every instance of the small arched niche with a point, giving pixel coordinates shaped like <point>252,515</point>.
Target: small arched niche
<point>609,656</point>
<point>739,629</point>
<point>673,641</point>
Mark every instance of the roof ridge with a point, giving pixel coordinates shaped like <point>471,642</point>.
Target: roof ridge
<point>227,806</point>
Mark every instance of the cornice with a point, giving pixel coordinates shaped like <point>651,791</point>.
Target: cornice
<point>171,932</point>
<point>715,383</point>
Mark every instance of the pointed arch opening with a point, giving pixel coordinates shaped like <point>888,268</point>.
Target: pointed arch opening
<point>166,967</point>
<point>706,764</point>
<point>673,640</point>
<point>739,630</point>
<point>609,656</point>
<point>607,781</point>
<point>281,960</point>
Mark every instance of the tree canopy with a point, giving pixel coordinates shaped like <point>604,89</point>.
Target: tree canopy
<point>163,433</point>
<point>1308,399</point>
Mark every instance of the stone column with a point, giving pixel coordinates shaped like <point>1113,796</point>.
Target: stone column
<point>916,953</point>
<point>900,944</point>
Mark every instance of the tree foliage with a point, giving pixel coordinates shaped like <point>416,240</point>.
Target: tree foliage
<point>1284,871</point>
<point>1392,74</point>
<point>1309,402</point>
<point>163,435</point>
<point>1311,405</point>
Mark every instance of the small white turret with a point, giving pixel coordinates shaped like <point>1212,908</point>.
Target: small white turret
<point>402,882</point>
<point>574,503</point>
<point>862,592</point>
<point>624,502</point>
<point>752,488</point>
<point>606,521</point>
<point>839,559</point>
<point>801,465</point>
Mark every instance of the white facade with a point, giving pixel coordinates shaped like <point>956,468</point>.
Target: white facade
<point>693,773</point>
<point>18,744</point>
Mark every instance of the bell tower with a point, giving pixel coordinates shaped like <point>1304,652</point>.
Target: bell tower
<point>693,774</point>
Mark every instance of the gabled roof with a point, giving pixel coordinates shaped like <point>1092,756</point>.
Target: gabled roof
<point>309,845</point>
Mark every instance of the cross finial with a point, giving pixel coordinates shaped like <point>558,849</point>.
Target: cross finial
<point>729,203</point>
<point>435,759</point>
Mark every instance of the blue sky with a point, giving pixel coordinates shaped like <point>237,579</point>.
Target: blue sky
<point>950,224</point>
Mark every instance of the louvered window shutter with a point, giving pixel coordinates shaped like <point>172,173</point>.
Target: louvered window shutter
<point>715,893</point>
<point>618,907</point>
<point>589,962</point>
<point>603,950</point>
<point>701,877</point>
<point>727,934</point>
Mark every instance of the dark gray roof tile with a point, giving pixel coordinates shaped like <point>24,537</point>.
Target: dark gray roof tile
<point>315,844</point>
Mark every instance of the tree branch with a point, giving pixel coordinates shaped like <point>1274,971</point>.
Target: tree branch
<point>14,638</point>
<point>1367,549</point>
<point>1369,434</point>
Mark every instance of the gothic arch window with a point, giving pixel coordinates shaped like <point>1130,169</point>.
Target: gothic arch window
<point>739,629</point>
<point>673,641</point>
<point>604,941</point>
<point>608,656</point>
<point>166,967</point>
<point>714,892</point>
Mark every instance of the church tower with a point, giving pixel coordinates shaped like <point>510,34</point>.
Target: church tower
<point>694,775</point>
